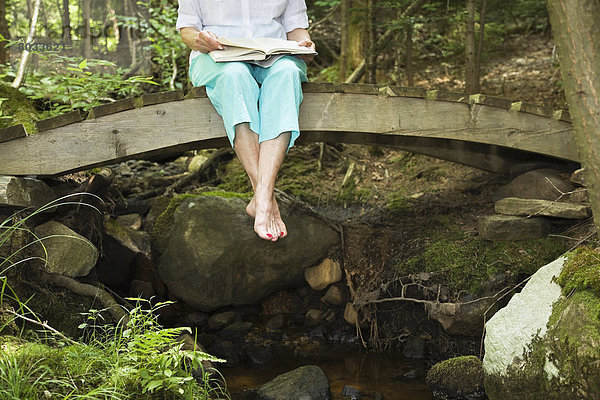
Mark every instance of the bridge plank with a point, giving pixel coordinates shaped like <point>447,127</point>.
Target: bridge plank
<point>58,121</point>
<point>149,99</point>
<point>490,101</point>
<point>196,92</point>
<point>12,132</point>
<point>111,108</point>
<point>562,115</point>
<point>170,127</point>
<point>531,109</point>
<point>443,95</point>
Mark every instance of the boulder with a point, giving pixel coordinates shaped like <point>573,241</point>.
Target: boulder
<point>313,318</point>
<point>24,192</point>
<point>546,208</point>
<point>506,227</point>
<point>457,378</point>
<point>350,314</point>
<point>212,257</point>
<point>69,253</point>
<point>307,383</point>
<point>546,184</point>
<point>196,162</point>
<point>544,344</point>
<point>131,221</point>
<point>324,274</point>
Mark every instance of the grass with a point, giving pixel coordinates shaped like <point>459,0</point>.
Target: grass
<point>136,358</point>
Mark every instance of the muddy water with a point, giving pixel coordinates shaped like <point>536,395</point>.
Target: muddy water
<point>395,377</point>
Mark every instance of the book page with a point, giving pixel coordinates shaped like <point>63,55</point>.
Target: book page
<point>268,45</point>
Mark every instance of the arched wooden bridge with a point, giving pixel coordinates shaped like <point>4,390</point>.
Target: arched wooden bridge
<point>482,131</point>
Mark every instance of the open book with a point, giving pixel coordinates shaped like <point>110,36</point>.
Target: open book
<point>262,51</point>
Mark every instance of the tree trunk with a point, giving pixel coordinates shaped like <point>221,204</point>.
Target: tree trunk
<point>371,55</point>
<point>577,37</point>
<point>86,40</point>
<point>25,56</point>
<point>471,79</point>
<point>65,16</point>
<point>480,44</point>
<point>4,53</point>
<point>345,5</point>
<point>408,60</point>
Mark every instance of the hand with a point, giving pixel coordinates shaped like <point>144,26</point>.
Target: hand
<point>207,41</point>
<point>310,44</point>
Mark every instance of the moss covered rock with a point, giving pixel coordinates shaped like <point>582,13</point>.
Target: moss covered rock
<point>18,107</point>
<point>212,258</point>
<point>457,378</point>
<point>560,360</point>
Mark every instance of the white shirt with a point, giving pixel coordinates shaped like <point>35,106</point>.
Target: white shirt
<point>243,18</point>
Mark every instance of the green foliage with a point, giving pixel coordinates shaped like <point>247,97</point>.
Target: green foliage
<point>167,48</point>
<point>70,83</point>
<point>581,271</point>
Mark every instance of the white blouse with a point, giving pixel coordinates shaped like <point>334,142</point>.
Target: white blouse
<point>243,18</point>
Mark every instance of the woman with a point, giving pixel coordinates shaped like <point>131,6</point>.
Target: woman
<point>259,105</point>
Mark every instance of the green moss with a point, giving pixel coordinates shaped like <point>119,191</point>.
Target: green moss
<point>18,107</point>
<point>463,261</point>
<point>399,204</point>
<point>162,226</point>
<point>233,177</point>
<point>456,377</point>
<point>581,271</point>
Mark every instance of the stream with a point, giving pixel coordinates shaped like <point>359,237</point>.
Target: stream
<point>389,373</point>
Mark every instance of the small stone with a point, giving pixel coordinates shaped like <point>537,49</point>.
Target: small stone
<point>334,296</point>
<point>556,209</point>
<point>196,162</point>
<point>195,318</point>
<point>131,221</point>
<point>505,227</point>
<point>69,253</point>
<point>275,323</point>
<point>307,382</point>
<point>580,196</point>
<point>313,318</point>
<point>459,377</point>
<point>324,274</point>
<point>578,177</point>
<point>350,315</point>
<point>24,192</point>
<point>141,289</point>
<point>236,330</point>
<point>221,320</point>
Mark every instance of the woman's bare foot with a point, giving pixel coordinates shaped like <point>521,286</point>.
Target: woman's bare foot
<point>251,211</point>
<point>267,219</point>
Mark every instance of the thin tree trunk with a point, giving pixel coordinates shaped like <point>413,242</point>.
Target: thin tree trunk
<point>408,60</point>
<point>345,5</point>
<point>86,15</point>
<point>65,16</point>
<point>25,56</point>
<point>480,44</point>
<point>577,37</point>
<point>4,53</point>
<point>471,79</point>
<point>371,55</point>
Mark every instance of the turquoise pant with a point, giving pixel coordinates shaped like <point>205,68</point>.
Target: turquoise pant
<point>267,98</point>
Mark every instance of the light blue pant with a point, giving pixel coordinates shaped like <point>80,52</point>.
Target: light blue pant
<point>233,88</point>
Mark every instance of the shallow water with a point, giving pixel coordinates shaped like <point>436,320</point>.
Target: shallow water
<point>368,372</point>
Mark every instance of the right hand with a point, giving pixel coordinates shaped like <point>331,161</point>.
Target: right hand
<point>207,41</point>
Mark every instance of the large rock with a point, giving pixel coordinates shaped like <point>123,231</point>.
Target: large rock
<point>546,184</point>
<point>69,253</point>
<point>24,192</point>
<point>213,258</point>
<point>506,227</point>
<point>304,383</point>
<point>544,345</point>
<point>546,208</point>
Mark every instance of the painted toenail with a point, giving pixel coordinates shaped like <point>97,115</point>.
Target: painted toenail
<point>269,235</point>
<point>281,233</point>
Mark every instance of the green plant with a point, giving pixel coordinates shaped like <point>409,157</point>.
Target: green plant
<point>17,383</point>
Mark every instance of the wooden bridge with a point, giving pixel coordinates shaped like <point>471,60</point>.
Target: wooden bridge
<point>482,131</point>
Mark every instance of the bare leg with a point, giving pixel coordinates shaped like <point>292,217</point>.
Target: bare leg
<point>262,162</point>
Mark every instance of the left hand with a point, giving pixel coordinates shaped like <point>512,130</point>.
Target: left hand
<point>310,44</point>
